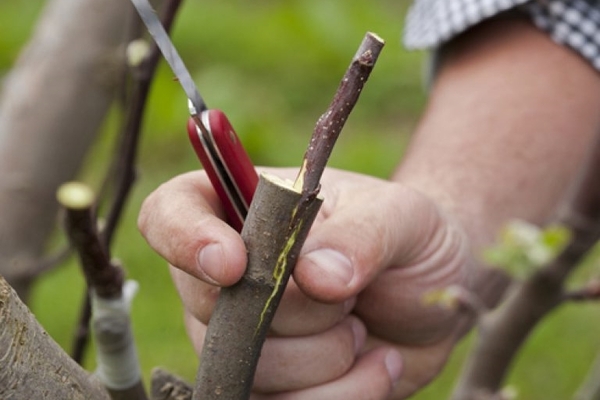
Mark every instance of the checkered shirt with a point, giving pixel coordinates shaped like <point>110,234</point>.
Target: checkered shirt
<point>574,23</point>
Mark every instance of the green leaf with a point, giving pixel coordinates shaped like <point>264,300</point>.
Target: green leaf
<point>523,247</point>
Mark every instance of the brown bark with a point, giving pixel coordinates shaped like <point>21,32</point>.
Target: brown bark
<point>330,124</point>
<point>52,105</point>
<point>101,275</point>
<point>277,224</point>
<point>32,365</point>
<point>166,386</point>
<point>116,355</point>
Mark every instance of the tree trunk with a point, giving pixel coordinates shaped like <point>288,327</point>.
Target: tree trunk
<point>51,107</point>
<point>32,365</point>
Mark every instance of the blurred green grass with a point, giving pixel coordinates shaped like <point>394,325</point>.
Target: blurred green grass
<point>273,67</point>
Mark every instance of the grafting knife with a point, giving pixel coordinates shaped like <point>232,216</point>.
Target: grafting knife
<point>216,144</point>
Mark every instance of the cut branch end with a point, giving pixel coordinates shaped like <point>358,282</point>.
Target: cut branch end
<point>75,195</point>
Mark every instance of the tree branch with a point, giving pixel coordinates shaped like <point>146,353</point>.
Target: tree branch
<point>32,365</point>
<point>122,172</point>
<point>101,275</point>
<point>505,329</point>
<point>276,227</point>
<point>74,56</point>
<point>118,366</point>
<point>330,124</point>
<point>590,292</point>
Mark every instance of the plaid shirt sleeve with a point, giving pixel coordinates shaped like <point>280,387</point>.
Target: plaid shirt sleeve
<point>574,23</point>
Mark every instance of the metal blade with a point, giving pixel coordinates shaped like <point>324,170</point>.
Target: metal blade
<point>165,45</point>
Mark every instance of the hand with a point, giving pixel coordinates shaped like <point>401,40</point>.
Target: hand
<point>354,304</point>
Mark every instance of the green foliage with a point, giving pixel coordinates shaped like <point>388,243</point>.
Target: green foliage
<point>522,247</point>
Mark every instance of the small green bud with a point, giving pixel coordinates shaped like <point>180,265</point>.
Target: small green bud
<point>523,246</point>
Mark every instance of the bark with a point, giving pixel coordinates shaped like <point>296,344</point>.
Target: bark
<point>330,124</point>
<point>166,386</point>
<point>503,331</point>
<point>32,365</point>
<point>277,225</point>
<point>52,105</point>
<point>105,278</point>
<point>116,355</point>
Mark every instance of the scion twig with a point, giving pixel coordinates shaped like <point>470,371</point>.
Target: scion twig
<point>330,124</point>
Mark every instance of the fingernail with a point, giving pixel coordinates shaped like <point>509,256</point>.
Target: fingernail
<point>360,335</point>
<point>334,263</point>
<point>348,306</point>
<point>210,262</point>
<point>393,364</point>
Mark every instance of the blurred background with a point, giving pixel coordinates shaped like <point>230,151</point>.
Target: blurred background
<point>273,67</point>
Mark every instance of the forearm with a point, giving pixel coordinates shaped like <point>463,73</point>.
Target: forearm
<point>510,118</point>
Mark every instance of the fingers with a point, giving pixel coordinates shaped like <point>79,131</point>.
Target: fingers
<point>297,314</point>
<point>198,297</point>
<point>421,364</point>
<point>366,225</point>
<point>372,377</point>
<point>409,319</point>
<point>179,221</point>
<point>302,361</point>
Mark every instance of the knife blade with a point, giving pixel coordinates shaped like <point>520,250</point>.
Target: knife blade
<point>215,142</point>
<point>163,41</point>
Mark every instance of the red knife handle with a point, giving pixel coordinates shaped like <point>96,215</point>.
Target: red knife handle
<point>233,162</point>
<point>233,154</point>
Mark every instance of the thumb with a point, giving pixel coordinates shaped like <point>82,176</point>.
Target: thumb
<point>180,220</point>
<point>366,225</point>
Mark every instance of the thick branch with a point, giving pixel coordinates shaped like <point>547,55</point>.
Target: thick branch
<point>277,224</point>
<point>505,329</point>
<point>52,105</point>
<point>32,365</point>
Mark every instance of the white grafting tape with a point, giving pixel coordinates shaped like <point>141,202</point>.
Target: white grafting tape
<point>116,355</point>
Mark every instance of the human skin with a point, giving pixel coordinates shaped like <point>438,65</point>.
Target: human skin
<point>509,120</point>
